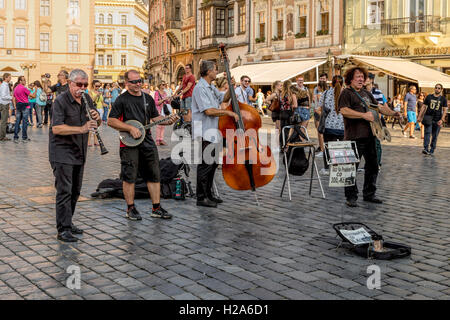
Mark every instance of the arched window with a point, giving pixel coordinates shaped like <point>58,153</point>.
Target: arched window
<point>101,18</point>
<point>110,19</point>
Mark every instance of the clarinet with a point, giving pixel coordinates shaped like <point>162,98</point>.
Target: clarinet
<point>97,134</point>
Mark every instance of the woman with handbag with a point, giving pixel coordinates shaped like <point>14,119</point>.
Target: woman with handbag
<point>331,123</point>
<point>288,103</point>
<point>162,103</point>
<point>273,101</point>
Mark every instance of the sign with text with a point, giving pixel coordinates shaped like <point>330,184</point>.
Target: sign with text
<point>342,158</point>
<point>342,175</point>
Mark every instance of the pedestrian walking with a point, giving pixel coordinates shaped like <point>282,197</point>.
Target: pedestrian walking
<point>5,101</point>
<point>186,89</point>
<point>410,104</point>
<point>334,122</point>
<point>303,102</point>
<point>432,117</point>
<point>260,101</point>
<point>277,86</point>
<point>32,102</point>
<point>161,99</point>
<point>107,100</point>
<point>398,105</point>
<point>48,105</point>
<point>357,120</point>
<point>97,97</point>
<point>115,92</point>
<point>420,100</point>
<point>288,104</point>
<point>41,101</point>
<point>317,93</point>
<point>68,150</point>
<point>21,93</point>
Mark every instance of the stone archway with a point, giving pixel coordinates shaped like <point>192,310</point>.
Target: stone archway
<point>179,74</point>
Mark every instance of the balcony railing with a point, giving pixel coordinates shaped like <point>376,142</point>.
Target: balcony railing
<point>410,25</point>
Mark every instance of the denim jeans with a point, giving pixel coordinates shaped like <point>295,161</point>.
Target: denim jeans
<point>39,109</point>
<point>30,114</point>
<point>431,131</point>
<point>22,114</point>
<point>105,114</point>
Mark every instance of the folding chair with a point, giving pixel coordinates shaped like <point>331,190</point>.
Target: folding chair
<point>312,152</point>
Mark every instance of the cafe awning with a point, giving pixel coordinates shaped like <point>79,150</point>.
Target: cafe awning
<point>403,69</point>
<point>266,73</point>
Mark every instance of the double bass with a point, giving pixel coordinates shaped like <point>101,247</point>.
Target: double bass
<point>247,164</point>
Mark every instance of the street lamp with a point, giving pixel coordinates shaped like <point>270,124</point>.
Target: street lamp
<point>28,67</point>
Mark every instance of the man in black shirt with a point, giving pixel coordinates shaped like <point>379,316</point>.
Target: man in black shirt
<point>357,120</point>
<point>137,105</point>
<point>432,117</point>
<point>68,148</point>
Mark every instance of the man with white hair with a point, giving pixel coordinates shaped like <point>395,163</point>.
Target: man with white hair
<point>68,148</point>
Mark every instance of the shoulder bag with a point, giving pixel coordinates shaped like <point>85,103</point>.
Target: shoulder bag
<point>275,104</point>
<point>323,115</point>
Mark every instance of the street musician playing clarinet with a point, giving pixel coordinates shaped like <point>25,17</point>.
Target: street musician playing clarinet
<point>68,148</point>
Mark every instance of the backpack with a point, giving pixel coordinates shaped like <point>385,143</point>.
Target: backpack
<point>43,96</point>
<point>299,163</point>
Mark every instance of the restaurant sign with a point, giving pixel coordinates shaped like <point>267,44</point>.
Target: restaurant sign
<point>398,52</point>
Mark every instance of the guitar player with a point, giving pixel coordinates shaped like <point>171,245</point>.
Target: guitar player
<point>137,105</point>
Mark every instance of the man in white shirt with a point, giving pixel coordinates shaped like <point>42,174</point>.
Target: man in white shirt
<point>5,101</point>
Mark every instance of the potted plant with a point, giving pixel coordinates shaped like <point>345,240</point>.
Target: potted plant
<point>300,35</point>
<point>322,32</point>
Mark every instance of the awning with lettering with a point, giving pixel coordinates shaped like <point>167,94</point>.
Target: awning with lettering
<point>403,69</point>
<point>266,73</point>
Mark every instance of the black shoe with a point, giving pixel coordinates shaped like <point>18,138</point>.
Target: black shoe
<point>207,203</point>
<point>426,152</point>
<point>351,203</point>
<point>76,230</point>
<point>133,214</point>
<point>160,213</point>
<point>216,200</point>
<point>373,200</point>
<point>66,236</point>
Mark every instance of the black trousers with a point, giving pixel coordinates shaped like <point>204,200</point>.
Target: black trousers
<point>205,173</point>
<point>367,149</point>
<point>48,113</point>
<point>68,181</point>
<point>327,138</point>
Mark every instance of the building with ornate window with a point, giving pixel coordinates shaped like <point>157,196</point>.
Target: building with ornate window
<point>222,21</point>
<point>120,29</point>
<point>414,30</point>
<point>44,36</point>
<point>287,29</point>
<point>163,38</point>
<point>184,40</point>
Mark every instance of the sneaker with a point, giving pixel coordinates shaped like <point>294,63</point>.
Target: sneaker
<point>133,214</point>
<point>16,140</point>
<point>319,154</point>
<point>426,152</point>
<point>404,133</point>
<point>160,213</point>
<point>351,203</point>
<point>412,137</point>
<point>360,170</point>
<point>26,140</point>
<point>324,172</point>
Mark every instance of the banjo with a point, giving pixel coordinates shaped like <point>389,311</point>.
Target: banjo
<point>127,139</point>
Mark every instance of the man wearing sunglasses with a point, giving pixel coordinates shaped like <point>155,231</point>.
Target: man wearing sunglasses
<point>140,106</point>
<point>242,92</point>
<point>432,116</point>
<point>68,148</point>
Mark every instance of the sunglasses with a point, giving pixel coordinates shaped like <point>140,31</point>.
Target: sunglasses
<point>82,84</point>
<point>135,81</point>
<point>246,81</point>
<point>438,88</point>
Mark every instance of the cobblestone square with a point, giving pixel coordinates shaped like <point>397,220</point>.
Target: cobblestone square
<point>278,250</point>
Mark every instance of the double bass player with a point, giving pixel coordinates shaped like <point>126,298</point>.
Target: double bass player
<point>206,100</point>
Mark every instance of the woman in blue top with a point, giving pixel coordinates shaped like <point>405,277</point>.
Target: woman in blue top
<point>107,100</point>
<point>32,101</point>
<point>115,92</point>
<point>40,103</point>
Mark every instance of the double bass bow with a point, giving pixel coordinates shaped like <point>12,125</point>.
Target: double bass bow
<point>247,164</point>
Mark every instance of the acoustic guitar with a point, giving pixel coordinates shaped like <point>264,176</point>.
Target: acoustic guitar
<point>127,139</point>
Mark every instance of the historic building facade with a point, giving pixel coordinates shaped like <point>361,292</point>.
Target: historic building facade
<point>288,29</point>
<point>45,36</point>
<point>120,28</point>
<point>222,21</point>
<point>163,38</point>
<point>184,41</point>
<point>415,29</point>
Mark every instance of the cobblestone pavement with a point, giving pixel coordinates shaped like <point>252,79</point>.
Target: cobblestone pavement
<point>279,250</point>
